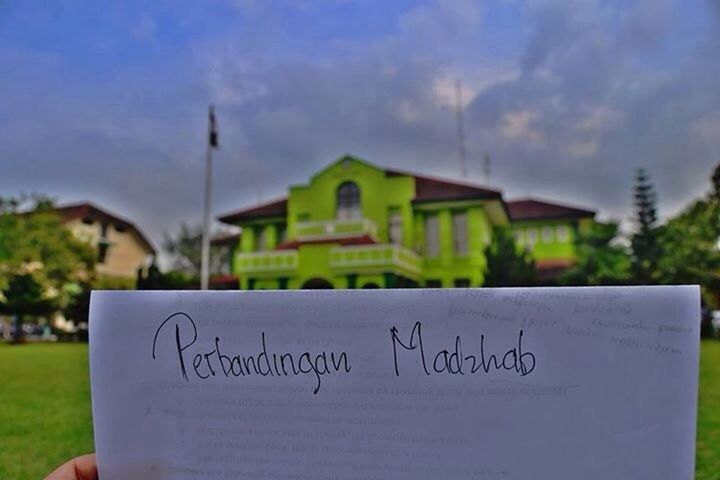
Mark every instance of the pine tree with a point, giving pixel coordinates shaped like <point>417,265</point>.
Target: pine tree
<point>645,245</point>
<point>715,179</point>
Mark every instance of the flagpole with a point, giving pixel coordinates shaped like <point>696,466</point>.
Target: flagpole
<point>205,254</point>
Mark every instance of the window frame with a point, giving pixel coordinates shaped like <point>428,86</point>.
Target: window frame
<point>464,252</point>
<point>433,241</point>
<point>532,236</point>
<point>547,234</point>
<point>395,221</point>
<point>562,233</point>
<point>348,201</point>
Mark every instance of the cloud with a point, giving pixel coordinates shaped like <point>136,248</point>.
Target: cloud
<point>441,20</point>
<point>603,95</point>
<point>519,126</point>
<point>576,96</point>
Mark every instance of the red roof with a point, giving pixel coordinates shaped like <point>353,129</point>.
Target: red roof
<point>427,189</point>
<point>432,189</point>
<point>87,210</point>
<point>345,241</point>
<point>270,209</point>
<point>531,209</point>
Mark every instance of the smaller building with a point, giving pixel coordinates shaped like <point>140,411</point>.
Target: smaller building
<point>549,231</point>
<point>122,248</point>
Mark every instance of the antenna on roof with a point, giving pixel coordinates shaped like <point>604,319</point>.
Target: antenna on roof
<point>460,128</point>
<point>486,167</point>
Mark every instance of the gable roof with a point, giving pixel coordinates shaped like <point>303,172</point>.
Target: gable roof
<point>85,210</point>
<point>533,209</point>
<point>427,189</point>
<point>273,208</point>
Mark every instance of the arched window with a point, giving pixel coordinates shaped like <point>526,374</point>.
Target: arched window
<point>348,201</point>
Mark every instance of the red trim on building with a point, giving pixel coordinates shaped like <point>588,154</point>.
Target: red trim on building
<point>554,264</point>
<point>225,281</point>
<point>346,241</point>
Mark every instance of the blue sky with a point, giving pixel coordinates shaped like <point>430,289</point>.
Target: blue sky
<point>106,101</point>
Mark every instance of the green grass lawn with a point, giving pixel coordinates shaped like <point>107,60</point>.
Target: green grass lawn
<point>708,436</point>
<point>45,409</point>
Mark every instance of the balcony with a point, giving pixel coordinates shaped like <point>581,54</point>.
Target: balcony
<point>329,229</point>
<point>386,257</point>
<point>271,262</point>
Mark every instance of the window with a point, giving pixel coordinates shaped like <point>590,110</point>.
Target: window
<point>348,201</point>
<point>395,227</point>
<point>103,243</point>
<point>281,233</point>
<point>547,234</point>
<point>462,283</point>
<point>532,236</point>
<point>433,284</point>
<point>102,251</point>
<point>562,232</point>
<point>432,237</point>
<point>460,236</point>
<point>303,217</point>
<point>261,240</point>
<point>519,236</point>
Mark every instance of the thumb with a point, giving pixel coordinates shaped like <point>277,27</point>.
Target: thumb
<point>80,468</point>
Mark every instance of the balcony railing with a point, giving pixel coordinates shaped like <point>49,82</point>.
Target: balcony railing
<point>335,229</point>
<point>386,256</point>
<point>274,262</point>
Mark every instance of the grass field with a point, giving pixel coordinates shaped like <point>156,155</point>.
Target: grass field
<point>45,409</point>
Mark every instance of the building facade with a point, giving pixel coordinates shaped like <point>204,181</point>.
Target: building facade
<point>121,247</point>
<point>356,225</point>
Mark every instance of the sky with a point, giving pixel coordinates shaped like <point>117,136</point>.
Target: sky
<point>107,101</point>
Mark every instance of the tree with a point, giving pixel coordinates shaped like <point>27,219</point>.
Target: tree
<point>645,246</point>
<point>23,296</point>
<point>600,259</point>
<point>154,279</point>
<point>185,249</point>
<point>508,265</point>
<point>690,243</point>
<point>39,258</point>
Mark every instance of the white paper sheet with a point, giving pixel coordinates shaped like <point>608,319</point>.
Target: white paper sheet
<point>556,383</point>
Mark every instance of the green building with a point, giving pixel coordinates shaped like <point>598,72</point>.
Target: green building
<point>356,225</point>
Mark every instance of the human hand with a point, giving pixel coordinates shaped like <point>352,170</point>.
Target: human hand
<point>80,468</point>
